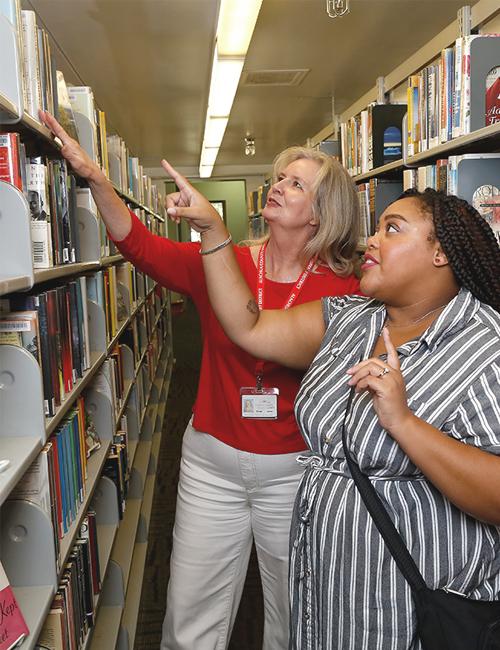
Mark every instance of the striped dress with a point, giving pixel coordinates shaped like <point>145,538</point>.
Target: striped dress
<point>346,591</point>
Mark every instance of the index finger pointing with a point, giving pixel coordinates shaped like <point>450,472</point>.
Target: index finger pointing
<point>392,355</point>
<point>180,181</point>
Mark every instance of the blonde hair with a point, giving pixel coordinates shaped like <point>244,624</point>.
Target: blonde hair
<point>335,205</point>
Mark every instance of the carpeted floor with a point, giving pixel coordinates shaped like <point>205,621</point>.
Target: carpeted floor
<point>247,633</point>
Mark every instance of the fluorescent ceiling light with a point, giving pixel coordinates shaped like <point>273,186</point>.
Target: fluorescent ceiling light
<point>208,156</point>
<point>237,20</point>
<point>226,75</point>
<point>205,171</point>
<point>214,131</point>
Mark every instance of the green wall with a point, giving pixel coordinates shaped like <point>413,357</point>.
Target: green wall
<point>233,192</point>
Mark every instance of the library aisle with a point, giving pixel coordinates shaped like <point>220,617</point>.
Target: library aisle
<point>247,633</point>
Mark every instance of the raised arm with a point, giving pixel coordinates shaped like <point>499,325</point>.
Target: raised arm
<point>112,209</point>
<point>289,337</point>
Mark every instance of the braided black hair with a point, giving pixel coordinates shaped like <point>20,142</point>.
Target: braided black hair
<point>467,241</point>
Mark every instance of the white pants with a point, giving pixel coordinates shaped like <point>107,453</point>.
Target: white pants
<point>225,497</point>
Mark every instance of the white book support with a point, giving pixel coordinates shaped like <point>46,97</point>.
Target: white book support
<point>101,411</point>
<point>124,293</point>
<point>105,504</point>
<point>86,134</point>
<point>89,235</point>
<point>22,433</point>
<point>132,416</point>
<point>97,326</point>
<point>114,165</point>
<point>15,240</point>
<point>11,94</point>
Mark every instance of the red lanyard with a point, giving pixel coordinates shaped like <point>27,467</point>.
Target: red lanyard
<point>261,268</point>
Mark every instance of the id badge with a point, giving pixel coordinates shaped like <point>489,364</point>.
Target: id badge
<point>259,403</point>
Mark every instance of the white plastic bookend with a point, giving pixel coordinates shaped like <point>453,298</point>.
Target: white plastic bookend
<point>112,591</point>
<point>125,296</point>
<point>122,642</point>
<point>127,362</point>
<point>15,240</point>
<point>21,394</point>
<point>152,465</point>
<point>99,407</point>
<point>114,169</point>
<point>86,134</point>
<point>147,426</point>
<point>11,93</point>
<point>142,530</point>
<point>153,396</point>
<point>97,327</point>
<point>135,484</point>
<point>27,543</point>
<point>89,234</point>
<point>105,503</point>
<point>132,417</point>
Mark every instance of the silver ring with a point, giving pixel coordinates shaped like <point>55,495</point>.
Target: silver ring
<point>384,371</point>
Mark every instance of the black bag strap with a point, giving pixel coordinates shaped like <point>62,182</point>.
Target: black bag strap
<point>375,507</point>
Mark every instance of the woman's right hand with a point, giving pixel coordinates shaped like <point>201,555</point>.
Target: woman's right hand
<point>190,205</point>
<point>75,155</point>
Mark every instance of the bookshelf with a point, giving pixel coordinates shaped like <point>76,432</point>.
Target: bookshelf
<point>139,343</point>
<point>482,139</point>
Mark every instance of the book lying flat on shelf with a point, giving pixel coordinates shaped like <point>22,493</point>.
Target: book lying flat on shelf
<point>13,628</point>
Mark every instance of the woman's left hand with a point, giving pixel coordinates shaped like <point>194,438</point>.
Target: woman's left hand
<point>386,384</point>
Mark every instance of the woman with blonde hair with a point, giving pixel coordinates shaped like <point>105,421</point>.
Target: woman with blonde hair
<point>239,475</point>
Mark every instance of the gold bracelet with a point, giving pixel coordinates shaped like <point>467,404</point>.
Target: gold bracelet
<point>225,243</point>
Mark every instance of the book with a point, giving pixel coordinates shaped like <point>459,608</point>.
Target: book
<point>21,328</point>
<point>64,110</point>
<point>82,102</point>
<point>493,96</point>
<point>10,168</point>
<point>31,63</point>
<point>37,188</point>
<point>13,628</point>
<point>477,180</point>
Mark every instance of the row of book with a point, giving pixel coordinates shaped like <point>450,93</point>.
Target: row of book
<point>56,480</point>
<point>54,325</point>
<point>443,95</point>
<point>72,612</point>
<point>473,177</point>
<point>256,199</point>
<point>372,138</point>
<point>53,199</point>
<point>374,196</point>
<point>44,87</point>
<point>257,227</point>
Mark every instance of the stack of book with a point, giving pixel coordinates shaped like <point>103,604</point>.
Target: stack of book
<point>456,95</point>
<point>72,612</point>
<point>372,138</point>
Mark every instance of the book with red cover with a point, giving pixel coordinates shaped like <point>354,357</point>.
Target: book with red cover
<point>493,96</point>
<point>10,167</point>
<point>13,627</point>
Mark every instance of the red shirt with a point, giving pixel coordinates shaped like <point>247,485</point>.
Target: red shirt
<point>225,368</point>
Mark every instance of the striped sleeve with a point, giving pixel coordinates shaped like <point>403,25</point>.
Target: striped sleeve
<point>477,418</point>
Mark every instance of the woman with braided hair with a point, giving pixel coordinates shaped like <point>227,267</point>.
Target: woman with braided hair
<point>420,359</point>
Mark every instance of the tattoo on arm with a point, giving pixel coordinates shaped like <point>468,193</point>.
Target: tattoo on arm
<point>252,307</point>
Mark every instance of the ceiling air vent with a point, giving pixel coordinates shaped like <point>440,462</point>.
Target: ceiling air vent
<point>274,77</point>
